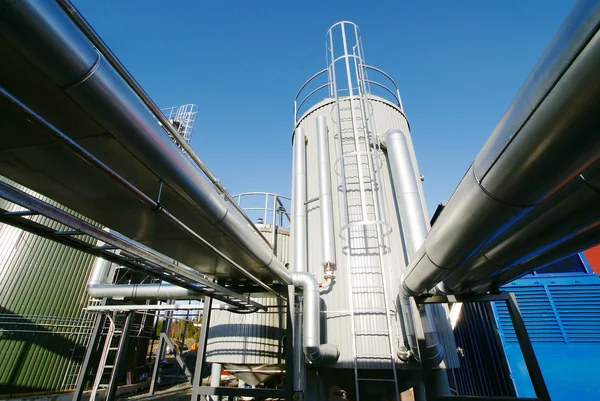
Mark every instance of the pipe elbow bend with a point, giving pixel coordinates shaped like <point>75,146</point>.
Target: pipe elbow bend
<point>390,132</point>
<point>324,354</point>
<point>92,290</point>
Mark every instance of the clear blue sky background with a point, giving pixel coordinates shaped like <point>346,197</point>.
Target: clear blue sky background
<point>458,65</point>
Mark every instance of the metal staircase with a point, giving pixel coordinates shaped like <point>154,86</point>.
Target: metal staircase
<point>109,353</point>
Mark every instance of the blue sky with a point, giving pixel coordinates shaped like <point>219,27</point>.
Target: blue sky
<point>458,65</point>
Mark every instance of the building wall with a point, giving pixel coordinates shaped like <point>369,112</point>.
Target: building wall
<point>43,328</point>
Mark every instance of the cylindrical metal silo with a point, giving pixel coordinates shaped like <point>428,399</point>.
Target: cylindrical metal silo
<point>251,346</point>
<point>360,276</point>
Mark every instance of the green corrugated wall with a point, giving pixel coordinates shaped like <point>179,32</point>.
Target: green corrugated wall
<point>43,330</point>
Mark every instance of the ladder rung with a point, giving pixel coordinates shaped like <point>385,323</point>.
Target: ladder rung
<point>373,356</point>
<point>108,366</point>
<point>113,348</point>
<point>70,232</point>
<point>372,332</point>
<point>370,310</point>
<point>366,379</point>
<point>368,287</point>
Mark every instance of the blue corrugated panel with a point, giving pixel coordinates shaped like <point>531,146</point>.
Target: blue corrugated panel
<point>562,316</point>
<point>538,313</point>
<point>578,308</point>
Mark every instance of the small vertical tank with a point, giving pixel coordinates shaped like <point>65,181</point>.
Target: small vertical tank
<point>251,346</point>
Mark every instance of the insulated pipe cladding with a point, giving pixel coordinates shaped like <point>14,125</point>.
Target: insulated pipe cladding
<point>53,42</point>
<point>298,234</point>
<point>547,137</point>
<point>325,199</point>
<point>414,228</point>
<point>317,353</point>
<point>314,351</point>
<point>569,213</point>
<point>98,288</point>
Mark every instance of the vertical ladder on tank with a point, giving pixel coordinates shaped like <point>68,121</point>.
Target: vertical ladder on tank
<point>109,353</point>
<point>367,284</point>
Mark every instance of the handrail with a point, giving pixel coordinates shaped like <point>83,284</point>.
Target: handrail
<point>394,91</point>
<point>269,207</point>
<point>386,88</point>
<point>97,41</point>
<point>297,108</point>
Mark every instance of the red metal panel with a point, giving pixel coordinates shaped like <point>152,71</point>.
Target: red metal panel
<point>593,257</point>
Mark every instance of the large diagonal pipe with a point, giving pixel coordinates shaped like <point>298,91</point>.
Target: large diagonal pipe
<point>570,213</point>
<point>547,137</point>
<point>52,41</point>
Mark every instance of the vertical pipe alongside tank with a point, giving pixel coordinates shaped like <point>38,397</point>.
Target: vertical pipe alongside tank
<point>299,239</point>
<point>414,227</point>
<point>215,378</point>
<point>325,199</point>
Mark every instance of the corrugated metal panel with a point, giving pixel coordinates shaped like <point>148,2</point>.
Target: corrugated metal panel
<point>256,338</point>
<point>575,302</point>
<point>362,253</point>
<point>537,311</point>
<point>555,313</point>
<point>483,369</point>
<point>282,246</point>
<point>247,339</point>
<point>578,310</point>
<point>43,329</point>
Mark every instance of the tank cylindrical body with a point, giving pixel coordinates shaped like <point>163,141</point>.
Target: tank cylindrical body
<point>358,254</point>
<point>250,346</point>
<point>360,309</point>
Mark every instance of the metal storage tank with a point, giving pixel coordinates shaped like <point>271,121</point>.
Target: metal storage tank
<point>43,327</point>
<point>340,143</point>
<point>251,346</point>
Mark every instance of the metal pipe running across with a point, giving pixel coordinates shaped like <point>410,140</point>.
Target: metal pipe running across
<point>546,138</point>
<point>97,41</point>
<point>57,46</point>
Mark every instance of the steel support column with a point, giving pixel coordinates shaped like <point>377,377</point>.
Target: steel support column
<point>202,341</point>
<point>161,349</point>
